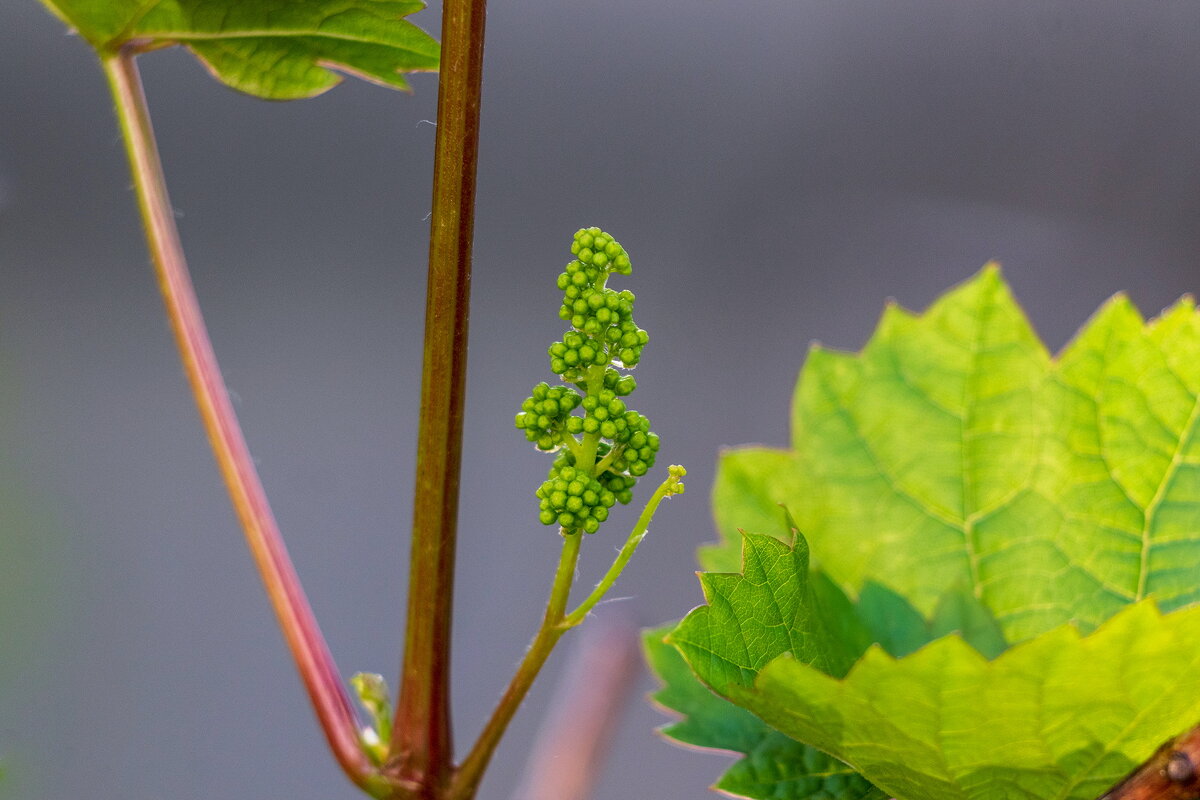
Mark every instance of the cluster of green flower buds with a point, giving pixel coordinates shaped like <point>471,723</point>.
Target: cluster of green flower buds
<point>544,414</point>
<point>573,498</point>
<point>602,318</point>
<point>603,451</point>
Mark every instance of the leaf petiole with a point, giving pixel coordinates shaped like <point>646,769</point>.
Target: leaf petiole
<point>313,660</point>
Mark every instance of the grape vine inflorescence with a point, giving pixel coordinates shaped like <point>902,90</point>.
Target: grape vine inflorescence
<point>602,446</point>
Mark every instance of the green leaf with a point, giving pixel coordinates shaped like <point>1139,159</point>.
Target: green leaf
<point>278,51</point>
<point>954,451</point>
<point>774,766</point>
<point>1062,716</point>
<point>756,615</point>
<point>900,629</point>
<point>775,607</point>
<point>747,481</point>
<point>953,476</point>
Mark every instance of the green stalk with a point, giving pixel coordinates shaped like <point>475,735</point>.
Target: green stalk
<point>466,779</point>
<point>325,689</point>
<point>421,750</point>
<point>555,623</point>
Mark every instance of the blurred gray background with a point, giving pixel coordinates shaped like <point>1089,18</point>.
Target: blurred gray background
<point>776,170</point>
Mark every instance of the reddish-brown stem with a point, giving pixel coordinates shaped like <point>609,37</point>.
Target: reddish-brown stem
<point>317,669</point>
<point>1172,773</point>
<point>421,750</point>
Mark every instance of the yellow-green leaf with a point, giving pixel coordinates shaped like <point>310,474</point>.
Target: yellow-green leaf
<point>773,766</point>
<point>274,50</point>
<point>955,476</point>
<point>1061,717</point>
<point>955,450</point>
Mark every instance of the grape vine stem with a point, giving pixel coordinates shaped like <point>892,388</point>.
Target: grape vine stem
<point>421,749</point>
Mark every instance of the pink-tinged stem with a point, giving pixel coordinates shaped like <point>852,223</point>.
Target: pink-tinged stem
<point>313,659</point>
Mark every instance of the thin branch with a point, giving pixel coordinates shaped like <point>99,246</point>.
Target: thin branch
<point>466,779</point>
<point>320,675</point>
<point>421,751</point>
<point>667,488</point>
